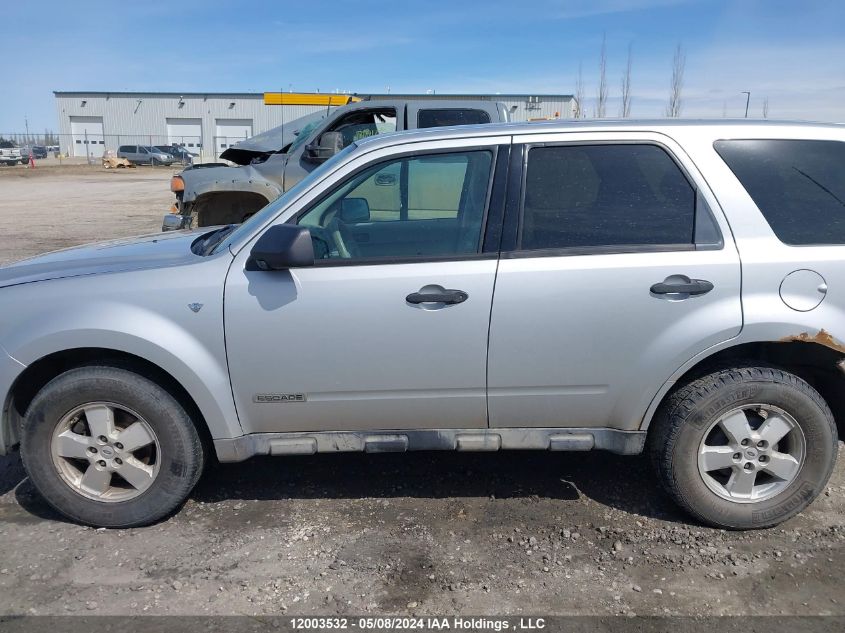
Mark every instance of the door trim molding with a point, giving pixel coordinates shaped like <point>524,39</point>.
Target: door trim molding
<point>389,441</point>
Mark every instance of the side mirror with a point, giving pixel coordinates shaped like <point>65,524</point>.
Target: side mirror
<point>354,210</point>
<point>329,144</point>
<point>281,247</point>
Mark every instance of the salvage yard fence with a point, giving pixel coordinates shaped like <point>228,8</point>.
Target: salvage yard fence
<point>92,146</point>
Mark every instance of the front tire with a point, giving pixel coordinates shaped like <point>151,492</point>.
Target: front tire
<point>108,447</point>
<point>744,448</point>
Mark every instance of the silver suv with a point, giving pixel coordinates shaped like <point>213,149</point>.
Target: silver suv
<point>669,287</point>
<point>144,155</point>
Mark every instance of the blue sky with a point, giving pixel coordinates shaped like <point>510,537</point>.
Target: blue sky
<point>792,53</point>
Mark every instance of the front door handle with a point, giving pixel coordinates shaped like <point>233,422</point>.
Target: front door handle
<point>444,296</point>
<point>684,286</point>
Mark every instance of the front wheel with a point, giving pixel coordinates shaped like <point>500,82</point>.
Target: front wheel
<point>110,448</point>
<point>746,447</point>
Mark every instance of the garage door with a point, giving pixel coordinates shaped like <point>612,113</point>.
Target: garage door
<point>87,136</point>
<point>186,133</point>
<point>230,131</point>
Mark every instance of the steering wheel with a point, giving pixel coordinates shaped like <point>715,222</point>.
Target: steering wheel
<point>347,247</point>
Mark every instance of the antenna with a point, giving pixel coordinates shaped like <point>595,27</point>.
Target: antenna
<point>282,104</point>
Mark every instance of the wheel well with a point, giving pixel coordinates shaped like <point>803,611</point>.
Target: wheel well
<point>42,371</point>
<point>226,207</point>
<point>821,366</point>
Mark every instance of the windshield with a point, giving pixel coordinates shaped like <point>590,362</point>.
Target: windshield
<point>303,135</point>
<point>275,207</point>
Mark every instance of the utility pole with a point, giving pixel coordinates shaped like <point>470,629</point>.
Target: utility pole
<point>26,123</point>
<point>747,101</point>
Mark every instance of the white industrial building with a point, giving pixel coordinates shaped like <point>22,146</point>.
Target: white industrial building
<point>207,123</point>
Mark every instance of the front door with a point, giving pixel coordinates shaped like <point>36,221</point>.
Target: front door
<point>617,275</point>
<point>389,329</point>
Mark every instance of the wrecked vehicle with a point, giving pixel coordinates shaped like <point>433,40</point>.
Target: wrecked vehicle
<point>274,161</point>
<point>670,287</point>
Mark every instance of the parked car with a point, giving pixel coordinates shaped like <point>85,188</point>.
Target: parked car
<point>179,153</point>
<point>11,156</point>
<point>674,287</point>
<point>36,151</point>
<point>144,155</point>
<point>274,161</point>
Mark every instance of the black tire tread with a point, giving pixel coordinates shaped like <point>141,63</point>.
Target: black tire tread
<point>673,412</point>
<point>120,372</point>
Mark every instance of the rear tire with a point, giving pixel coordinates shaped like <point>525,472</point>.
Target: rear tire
<point>710,446</point>
<point>68,431</point>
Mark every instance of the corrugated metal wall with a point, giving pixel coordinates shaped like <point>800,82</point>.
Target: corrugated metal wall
<point>142,117</point>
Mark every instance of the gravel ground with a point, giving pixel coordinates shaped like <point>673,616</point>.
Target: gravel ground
<point>51,207</point>
<point>508,533</point>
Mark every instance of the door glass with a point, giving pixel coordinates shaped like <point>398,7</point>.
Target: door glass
<point>358,125</point>
<point>419,206</point>
<point>605,195</point>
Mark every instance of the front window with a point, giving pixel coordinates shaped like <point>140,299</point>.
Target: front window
<point>363,123</point>
<point>420,206</point>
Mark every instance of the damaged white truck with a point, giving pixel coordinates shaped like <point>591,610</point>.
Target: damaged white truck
<point>272,162</point>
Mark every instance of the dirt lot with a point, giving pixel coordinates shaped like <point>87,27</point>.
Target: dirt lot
<point>421,533</point>
<point>51,207</point>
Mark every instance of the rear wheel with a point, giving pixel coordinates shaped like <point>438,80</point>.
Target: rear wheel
<point>746,447</point>
<point>110,448</point>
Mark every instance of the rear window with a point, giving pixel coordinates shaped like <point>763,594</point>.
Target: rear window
<point>451,116</point>
<point>798,185</point>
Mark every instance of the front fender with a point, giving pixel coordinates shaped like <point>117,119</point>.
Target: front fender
<point>245,179</point>
<point>143,313</point>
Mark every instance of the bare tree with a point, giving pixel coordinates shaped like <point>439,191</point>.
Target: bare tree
<point>579,95</point>
<point>679,62</point>
<point>766,108</point>
<point>601,100</point>
<point>626,88</point>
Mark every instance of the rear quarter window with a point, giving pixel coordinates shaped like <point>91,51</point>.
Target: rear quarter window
<point>451,116</point>
<point>798,185</point>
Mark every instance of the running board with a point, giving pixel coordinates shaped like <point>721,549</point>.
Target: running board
<point>240,448</point>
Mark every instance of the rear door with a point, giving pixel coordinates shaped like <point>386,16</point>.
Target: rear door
<point>616,269</point>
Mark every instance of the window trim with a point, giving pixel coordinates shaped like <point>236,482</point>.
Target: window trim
<point>516,210</point>
<point>480,253</point>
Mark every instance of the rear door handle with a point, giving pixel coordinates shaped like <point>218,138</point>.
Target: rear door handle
<point>446,296</point>
<point>690,287</point>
